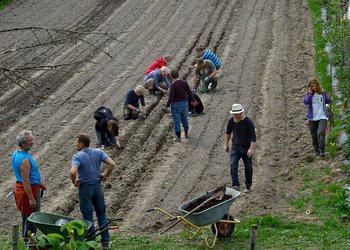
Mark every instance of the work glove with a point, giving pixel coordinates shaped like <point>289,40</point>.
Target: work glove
<point>207,80</point>
<point>194,103</point>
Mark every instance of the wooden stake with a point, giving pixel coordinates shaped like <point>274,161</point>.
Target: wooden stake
<point>253,237</point>
<point>15,237</point>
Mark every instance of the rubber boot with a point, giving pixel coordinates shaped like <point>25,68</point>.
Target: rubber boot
<point>186,133</point>
<point>178,137</point>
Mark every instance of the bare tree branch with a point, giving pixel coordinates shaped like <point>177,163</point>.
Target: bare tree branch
<point>14,81</point>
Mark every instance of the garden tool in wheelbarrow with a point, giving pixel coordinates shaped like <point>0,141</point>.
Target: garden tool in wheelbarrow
<point>218,194</point>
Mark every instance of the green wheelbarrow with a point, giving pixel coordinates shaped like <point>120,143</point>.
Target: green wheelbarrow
<point>49,223</point>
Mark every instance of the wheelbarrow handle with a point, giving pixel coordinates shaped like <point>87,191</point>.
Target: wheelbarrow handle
<point>90,237</point>
<point>92,234</point>
<point>218,193</point>
<point>191,212</point>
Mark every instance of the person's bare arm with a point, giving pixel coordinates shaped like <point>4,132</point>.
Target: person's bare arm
<point>215,71</point>
<point>131,107</point>
<point>73,175</point>
<point>25,169</point>
<point>251,149</point>
<point>195,81</point>
<point>110,166</point>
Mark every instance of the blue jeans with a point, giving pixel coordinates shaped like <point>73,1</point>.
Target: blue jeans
<point>179,111</point>
<point>238,152</point>
<point>91,198</point>
<point>110,138</point>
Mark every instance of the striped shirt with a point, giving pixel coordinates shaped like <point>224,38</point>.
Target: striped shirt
<point>209,55</point>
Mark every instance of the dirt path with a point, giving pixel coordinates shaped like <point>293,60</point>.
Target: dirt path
<point>266,52</point>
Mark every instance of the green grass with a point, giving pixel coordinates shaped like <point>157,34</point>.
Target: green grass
<point>323,196</point>
<point>321,57</point>
<point>4,3</point>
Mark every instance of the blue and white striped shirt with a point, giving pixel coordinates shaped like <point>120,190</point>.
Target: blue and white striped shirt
<point>209,55</point>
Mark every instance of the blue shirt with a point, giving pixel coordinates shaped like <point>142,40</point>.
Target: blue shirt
<point>209,55</point>
<point>88,162</point>
<point>34,173</point>
<point>157,78</point>
<point>133,99</point>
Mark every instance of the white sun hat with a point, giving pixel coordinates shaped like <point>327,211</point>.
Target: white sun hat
<point>236,109</point>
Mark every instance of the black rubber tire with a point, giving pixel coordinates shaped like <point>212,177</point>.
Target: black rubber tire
<point>225,230</point>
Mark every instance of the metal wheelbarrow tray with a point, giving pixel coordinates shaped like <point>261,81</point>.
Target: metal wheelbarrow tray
<point>211,214</point>
<point>45,222</point>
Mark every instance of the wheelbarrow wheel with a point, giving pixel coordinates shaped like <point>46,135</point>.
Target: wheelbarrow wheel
<point>224,229</point>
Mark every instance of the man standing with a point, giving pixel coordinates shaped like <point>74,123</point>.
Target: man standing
<point>28,186</point>
<point>243,145</point>
<point>86,175</point>
<point>205,71</point>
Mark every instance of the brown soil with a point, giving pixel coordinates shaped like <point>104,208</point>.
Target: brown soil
<point>204,203</point>
<point>267,57</point>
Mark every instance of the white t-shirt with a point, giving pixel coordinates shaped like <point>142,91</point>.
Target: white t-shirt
<point>318,112</point>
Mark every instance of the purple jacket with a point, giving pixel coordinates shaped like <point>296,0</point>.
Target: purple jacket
<point>308,101</point>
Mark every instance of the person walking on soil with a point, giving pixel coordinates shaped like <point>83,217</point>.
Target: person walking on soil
<point>317,115</point>
<point>131,104</point>
<point>106,128</point>
<point>86,175</point>
<point>179,94</point>
<point>160,61</point>
<point>28,187</point>
<point>207,54</point>
<point>243,145</point>
<point>157,80</point>
<point>206,73</point>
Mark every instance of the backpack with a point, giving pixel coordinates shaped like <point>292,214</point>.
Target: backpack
<point>103,112</point>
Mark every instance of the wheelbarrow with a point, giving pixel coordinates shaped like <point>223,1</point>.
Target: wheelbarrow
<point>49,223</point>
<point>214,216</point>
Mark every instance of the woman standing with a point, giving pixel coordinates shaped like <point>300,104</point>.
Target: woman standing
<point>317,115</point>
<point>179,93</point>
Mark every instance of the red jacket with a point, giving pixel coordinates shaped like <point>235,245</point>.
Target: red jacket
<point>156,64</point>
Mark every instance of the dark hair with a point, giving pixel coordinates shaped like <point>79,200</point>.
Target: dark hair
<point>113,124</point>
<point>84,139</point>
<point>200,48</point>
<point>199,60</point>
<point>174,74</point>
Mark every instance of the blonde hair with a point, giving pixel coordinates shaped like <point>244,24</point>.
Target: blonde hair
<point>140,90</point>
<point>165,70</point>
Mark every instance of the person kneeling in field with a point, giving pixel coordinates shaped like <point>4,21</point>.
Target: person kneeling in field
<point>157,80</point>
<point>160,62</point>
<point>131,104</point>
<point>206,73</point>
<point>106,128</point>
